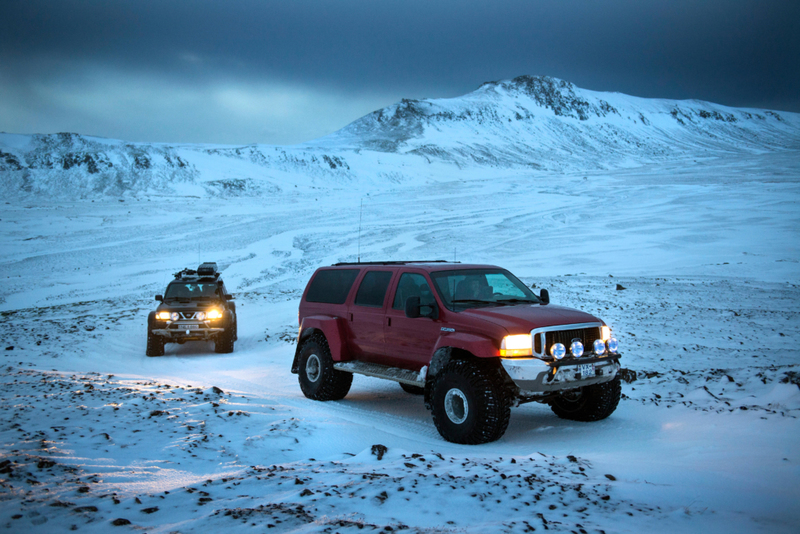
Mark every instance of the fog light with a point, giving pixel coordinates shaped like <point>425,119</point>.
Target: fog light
<point>613,345</point>
<point>558,351</point>
<point>200,316</point>
<point>175,316</point>
<point>576,349</point>
<point>599,347</point>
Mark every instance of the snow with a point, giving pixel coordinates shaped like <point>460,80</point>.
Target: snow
<point>705,438</point>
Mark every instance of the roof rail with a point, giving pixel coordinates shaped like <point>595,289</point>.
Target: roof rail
<point>392,262</point>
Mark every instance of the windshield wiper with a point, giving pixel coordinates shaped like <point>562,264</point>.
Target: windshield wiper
<point>517,301</point>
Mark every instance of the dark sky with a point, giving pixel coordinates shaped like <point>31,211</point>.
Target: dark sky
<point>292,70</point>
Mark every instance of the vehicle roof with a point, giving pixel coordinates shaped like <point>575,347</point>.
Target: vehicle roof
<point>195,278</point>
<point>428,266</point>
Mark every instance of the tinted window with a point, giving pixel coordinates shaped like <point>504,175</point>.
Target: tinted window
<point>412,285</point>
<point>331,286</point>
<point>373,288</point>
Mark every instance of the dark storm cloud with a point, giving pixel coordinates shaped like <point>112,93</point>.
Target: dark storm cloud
<point>735,52</point>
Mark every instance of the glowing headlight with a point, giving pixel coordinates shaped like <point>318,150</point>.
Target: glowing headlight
<point>599,347</point>
<point>200,316</point>
<point>558,351</point>
<point>613,345</point>
<point>174,316</point>
<point>214,314</point>
<point>576,349</point>
<point>163,316</point>
<point>606,333</point>
<point>517,345</point>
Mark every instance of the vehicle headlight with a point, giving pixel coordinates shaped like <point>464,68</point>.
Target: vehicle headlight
<point>163,316</point>
<point>613,345</point>
<point>605,333</point>
<point>599,347</point>
<point>516,345</point>
<point>200,316</point>
<point>214,314</point>
<point>558,351</point>
<point>576,349</point>
<point>175,316</point>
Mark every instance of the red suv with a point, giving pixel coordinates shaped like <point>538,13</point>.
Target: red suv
<point>472,339</point>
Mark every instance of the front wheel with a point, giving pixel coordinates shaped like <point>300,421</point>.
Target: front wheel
<point>589,403</point>
<point>469,403</point>
<point>155,344</point>
<point>318,379</point>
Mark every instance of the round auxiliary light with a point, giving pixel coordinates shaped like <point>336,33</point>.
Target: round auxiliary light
<point>558,351</point>
<point>613,345</point>
<point>200,316</point>
<point>174,316</point>
<point>599,347</point>
<point>576,349</point>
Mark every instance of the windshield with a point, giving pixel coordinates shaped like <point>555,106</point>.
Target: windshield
<point>473,288</point>
<point>191,290</point>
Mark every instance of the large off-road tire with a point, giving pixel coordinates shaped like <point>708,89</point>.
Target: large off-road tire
<point>589,403</point>
<point>318,379</point>
<point>223,344</point>
<point>155,344</point>
<point>469,403</point>
<point>414,390</point>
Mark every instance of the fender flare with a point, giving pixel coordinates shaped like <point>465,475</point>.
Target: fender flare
<point>333,328</point>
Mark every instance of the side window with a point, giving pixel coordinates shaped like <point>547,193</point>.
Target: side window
<point>412,285</point>
<point>373,288</point>
<point>331,286</point>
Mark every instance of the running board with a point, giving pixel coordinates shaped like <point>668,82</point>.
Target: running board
<point>404,376</point>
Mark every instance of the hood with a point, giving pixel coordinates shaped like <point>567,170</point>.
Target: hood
<point>195,305</point>
<point>524,318</point>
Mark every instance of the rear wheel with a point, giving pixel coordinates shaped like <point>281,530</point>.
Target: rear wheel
<point>318,379</point>
<point>589,403</point>
<point>470,405</point>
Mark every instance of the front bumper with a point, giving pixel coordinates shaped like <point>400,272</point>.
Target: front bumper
<point>188,331</point>
<point>535,377</point>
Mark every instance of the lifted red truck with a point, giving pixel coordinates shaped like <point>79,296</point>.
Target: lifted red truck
<point>472,339</point>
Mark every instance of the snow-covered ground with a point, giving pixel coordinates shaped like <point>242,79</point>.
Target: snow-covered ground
<point>94,434</point>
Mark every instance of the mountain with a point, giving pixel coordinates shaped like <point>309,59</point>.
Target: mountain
<point>536,124</point>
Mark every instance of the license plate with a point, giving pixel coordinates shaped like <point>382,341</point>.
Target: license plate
<point>190,326</point>
<point>586,370</point>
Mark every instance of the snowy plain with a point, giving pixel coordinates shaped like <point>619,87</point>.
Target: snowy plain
<point>97,437</point>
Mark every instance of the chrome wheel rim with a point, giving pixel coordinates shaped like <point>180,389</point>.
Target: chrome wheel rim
<point>456,406</point>
<point>313,368</point>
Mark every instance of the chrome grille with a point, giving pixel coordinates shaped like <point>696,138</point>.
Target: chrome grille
<point>586,333</point>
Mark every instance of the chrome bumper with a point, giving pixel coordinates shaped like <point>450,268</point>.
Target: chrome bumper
<point>535,376</point>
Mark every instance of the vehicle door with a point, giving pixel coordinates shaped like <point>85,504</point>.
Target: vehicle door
<point>366,315</point>
<point>410,342</point>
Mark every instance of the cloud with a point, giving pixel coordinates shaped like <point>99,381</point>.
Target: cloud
<point>145,106</point>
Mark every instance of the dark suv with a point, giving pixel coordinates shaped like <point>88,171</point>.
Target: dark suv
<point>195,307</point>
<point>472,339</point>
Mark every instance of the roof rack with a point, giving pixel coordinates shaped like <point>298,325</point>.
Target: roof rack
<point>392,262</point>
<point>206,270</point>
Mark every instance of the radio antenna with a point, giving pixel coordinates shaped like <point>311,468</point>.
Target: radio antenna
<point>360,213</point>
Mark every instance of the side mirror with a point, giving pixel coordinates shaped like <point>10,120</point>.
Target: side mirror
<point>159,298</point>
<point>414,309</point>
<point>544,296</point>
<point>229,297</point>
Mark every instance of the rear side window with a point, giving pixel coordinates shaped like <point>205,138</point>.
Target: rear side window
<point>373,288</point>
<point>332,286</point>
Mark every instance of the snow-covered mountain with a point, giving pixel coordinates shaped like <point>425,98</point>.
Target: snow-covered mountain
<point>530,124</point>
